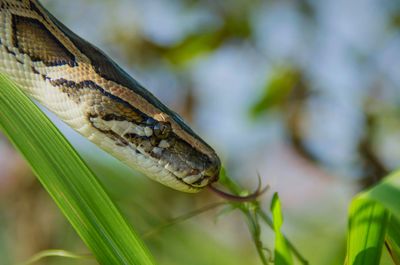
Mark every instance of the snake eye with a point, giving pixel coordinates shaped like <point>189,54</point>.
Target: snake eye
<point>150,121</point>
<point>162,130</point>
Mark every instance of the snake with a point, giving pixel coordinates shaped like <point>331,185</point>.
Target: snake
<point>88,91</point>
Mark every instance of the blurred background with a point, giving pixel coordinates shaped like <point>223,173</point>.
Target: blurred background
<point>304,92</point>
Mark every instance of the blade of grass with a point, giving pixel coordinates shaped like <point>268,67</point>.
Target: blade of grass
<point>367,228</point>
<point>68,180</point>
<point>276,92</point>
<point>255,230</point>
<point>387,192</point>
<point>181,218</point>
<point>291,246</point>
<point>393,239</point>
<point>283,255</point>
<point>368,221</point>
<point>55,253</point>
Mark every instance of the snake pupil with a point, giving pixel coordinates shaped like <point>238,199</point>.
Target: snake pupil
<point>150,121</point>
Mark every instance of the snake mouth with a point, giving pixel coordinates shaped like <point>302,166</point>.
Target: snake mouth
<point>185,164</point>
<point>196,179</point>
<point>204,178</point>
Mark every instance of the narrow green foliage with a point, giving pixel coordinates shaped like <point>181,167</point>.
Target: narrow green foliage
<point>367,228</point>
<point>203,43</point>
<point>369,223</point>
<point>282,252</point>
<point>393,239</point>
<point>182,218</point>
<point>69,181</point>
<point>292,248</point>
<point>255,230</point>
<point>276,91</point>
<point>55,253</point>
<point>387,192</point>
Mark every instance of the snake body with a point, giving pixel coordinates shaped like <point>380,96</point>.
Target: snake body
<point>93,95</point>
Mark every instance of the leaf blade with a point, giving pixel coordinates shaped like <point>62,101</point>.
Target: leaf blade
<point>71,184</point>
<point>367,229</point>
<point>282,252</point>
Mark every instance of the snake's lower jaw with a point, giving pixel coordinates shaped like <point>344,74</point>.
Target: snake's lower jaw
<point>201,180</point>
<point>196,182</point>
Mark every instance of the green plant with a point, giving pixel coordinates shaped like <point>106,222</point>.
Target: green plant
<point>373,223</point>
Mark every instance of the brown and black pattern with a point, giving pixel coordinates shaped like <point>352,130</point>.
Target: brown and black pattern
<point>31,37</point>
<point>105,67</point>
<point>119,106</point>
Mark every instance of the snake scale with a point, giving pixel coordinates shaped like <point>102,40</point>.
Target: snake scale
<point>93,95</point>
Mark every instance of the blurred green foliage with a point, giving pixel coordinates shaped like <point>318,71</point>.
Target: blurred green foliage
<point>277,91</point>
<point>373,223</point>
<point>393,239</point>
<point>367,229</point>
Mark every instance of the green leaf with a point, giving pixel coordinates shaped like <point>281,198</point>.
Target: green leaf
<point>282,252</point>
<point>68,180</point>
<point>387,192</point>
<point>293,249</point>
<point>393,239</point>
<point>55,253</point>
<point>367,228</point>
<point>369,220</point>
<point>276,91</point>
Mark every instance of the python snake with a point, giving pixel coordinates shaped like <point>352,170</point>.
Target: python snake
<point>93,95</point>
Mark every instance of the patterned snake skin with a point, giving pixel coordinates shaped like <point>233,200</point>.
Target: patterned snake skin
<point>93,95</point>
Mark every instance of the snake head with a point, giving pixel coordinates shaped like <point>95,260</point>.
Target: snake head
<point>163,147</point>
<point>182,160</point>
